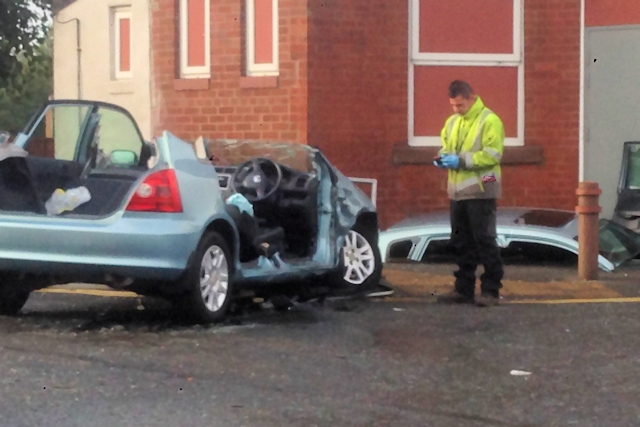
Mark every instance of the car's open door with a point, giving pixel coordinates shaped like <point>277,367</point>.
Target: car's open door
<point>627,211</point>
<point>348,202</point>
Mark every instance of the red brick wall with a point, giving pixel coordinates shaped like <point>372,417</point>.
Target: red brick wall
<point>358,95</point>
<point>600,13</point>
<point>222,108</point>
<point>358,59</point>
<point>552,82</point>
<point>352,103</point>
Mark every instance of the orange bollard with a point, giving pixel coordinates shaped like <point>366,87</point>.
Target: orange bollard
<point>588,211</point>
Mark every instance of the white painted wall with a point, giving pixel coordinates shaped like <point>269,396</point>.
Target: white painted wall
<point>611,105</point>
<point>96,80</point>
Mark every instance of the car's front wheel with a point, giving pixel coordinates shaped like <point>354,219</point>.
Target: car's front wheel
<point>209,280</point>
<point>360,263</point>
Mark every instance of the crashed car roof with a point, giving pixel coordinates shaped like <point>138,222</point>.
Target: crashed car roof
<point>552,227</point>
<point>546,218</point>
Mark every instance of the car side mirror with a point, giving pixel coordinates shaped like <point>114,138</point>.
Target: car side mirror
<point>123,158</point>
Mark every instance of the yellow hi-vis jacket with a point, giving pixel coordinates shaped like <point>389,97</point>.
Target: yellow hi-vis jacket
<point>477,138</point>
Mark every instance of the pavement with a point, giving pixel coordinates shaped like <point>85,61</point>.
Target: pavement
<point>525,281</point>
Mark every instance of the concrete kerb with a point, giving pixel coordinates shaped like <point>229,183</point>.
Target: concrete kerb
<point>425,281</point>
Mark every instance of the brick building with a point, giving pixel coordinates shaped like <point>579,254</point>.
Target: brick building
<point>365,80</point>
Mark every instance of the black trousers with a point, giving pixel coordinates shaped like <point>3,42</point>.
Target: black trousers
<point>473,236</point>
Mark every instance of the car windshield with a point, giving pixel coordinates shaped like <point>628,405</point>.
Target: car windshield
<point>617,243</point>
<point>225,152</point>
<point>633,165</point>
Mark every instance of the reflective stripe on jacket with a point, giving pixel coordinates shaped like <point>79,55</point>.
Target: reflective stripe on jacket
<point>478,140</point>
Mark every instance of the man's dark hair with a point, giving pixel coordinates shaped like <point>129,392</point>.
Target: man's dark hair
<point>459,87</point>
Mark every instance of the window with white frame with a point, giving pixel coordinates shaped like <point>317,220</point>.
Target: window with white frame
<point>195,39</point>
<point>480,42</point>
<point>122,68</point>
<point>262,37</point>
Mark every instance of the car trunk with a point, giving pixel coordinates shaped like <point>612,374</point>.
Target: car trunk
<point>26,183</point>
<point>70,144</point>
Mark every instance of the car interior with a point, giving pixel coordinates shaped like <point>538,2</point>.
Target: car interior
<point>285,204</point>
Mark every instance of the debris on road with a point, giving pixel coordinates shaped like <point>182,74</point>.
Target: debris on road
<point>517,373</point>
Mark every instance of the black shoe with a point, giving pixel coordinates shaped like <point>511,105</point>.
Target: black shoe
<point>487,300</point>
<point>454,297</point>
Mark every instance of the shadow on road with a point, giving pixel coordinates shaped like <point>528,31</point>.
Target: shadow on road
<point>151,315</point>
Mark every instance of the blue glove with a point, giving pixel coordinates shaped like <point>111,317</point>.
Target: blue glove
<point>451,161</point>
<point>241,203</point>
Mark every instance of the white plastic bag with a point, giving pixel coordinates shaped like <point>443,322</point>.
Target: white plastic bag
<point>61,201</point>
<point>519,373</point>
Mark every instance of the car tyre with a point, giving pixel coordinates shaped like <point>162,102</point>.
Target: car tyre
<point>12,300</point>
<point>360,268</point>
<point>209,280</point>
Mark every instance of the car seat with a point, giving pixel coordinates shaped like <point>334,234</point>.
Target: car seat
<point>17,188</point>
<point>252,235</point>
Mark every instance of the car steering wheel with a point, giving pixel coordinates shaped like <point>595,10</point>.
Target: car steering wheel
<point>254,179</point>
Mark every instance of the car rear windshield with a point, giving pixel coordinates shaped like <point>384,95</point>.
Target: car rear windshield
<point>617,243</point>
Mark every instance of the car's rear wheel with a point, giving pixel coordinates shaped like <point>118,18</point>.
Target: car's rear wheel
<point>209,280</point>
<point>360,261</point>
<point>12,300</point>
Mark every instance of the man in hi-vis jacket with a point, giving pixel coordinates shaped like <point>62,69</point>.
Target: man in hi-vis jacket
<point>472,146</point>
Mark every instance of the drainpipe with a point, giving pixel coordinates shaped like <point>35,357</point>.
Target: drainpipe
<point>79,51</point>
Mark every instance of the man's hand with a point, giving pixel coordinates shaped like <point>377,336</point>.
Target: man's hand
<point>450,161</point>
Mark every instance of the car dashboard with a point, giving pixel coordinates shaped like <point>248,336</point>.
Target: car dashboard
<point>295,184</point>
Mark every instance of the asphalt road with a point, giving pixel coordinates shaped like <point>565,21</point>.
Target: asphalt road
<point>75,360</point>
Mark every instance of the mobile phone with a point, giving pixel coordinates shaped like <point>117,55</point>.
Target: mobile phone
<point>438,160</point>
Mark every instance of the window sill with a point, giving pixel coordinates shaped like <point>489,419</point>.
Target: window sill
<point>191,84</point>
<point>522,155</point>
<point>251,82</point>
<point>118,87</point>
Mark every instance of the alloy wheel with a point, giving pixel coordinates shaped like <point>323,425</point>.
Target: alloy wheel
<point>359,259</point>
<point>214,278</point>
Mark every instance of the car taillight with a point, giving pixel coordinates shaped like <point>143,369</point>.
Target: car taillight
<point>158,193</point>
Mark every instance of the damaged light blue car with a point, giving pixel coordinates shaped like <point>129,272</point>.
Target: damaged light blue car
<point>86,199</point>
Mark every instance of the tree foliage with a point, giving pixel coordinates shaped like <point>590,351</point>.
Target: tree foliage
<point>22,29</point>
<point>26,60</point>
